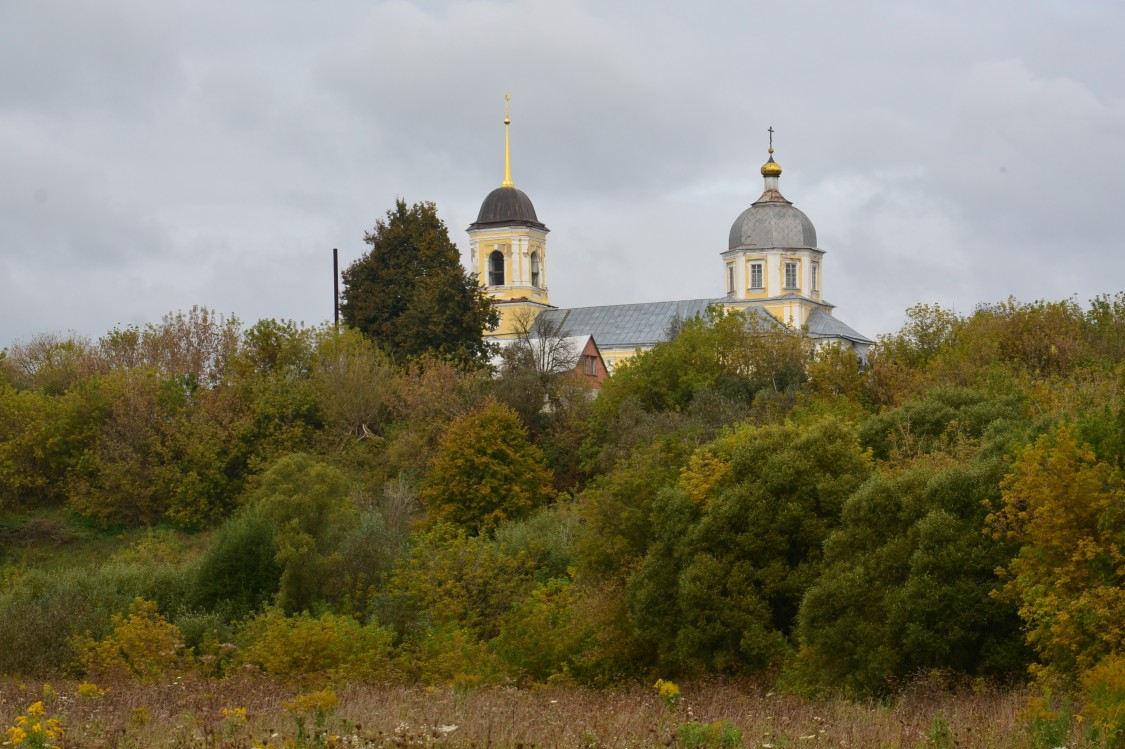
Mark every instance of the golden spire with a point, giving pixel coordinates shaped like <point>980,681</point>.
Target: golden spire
<point>771,168</point>
<point>507,148</point>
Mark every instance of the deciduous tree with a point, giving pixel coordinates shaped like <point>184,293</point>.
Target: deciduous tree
<point>1067,508</point>
<point>486,471</point>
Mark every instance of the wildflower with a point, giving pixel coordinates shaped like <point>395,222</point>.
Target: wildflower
<point>322,702</point>
<point>234,713</point>
<point>234,718</point>
<point>88,690</point>
<point>668,691</point>
<point>34,729</point>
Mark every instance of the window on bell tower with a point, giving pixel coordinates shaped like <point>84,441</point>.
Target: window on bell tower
<point>496,269</point>
<point>535,269</point>
<point>815,280</point>
<point>730,277</point>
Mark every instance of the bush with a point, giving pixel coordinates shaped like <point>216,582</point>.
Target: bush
<point>449,655</point>
<point>238,573</point>
<point>454,579</point>
<point>142,645</point>
<point>44,610</point>
<point>722,734</point>
<point>540,636</point>
<point>546,538</point>
<point>365,556</point>
<point>306,501</point>
<point>1104,685</point>
<point>733,553</point>
<point>324,649</point>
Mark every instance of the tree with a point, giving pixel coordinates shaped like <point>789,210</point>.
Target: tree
<point>1067,509</point>
<point>908,581</point>
<point>716,365</point>
<point>486,470</point>
<point>739,541</point>
<point>410,293</point>
<point>307,503</point>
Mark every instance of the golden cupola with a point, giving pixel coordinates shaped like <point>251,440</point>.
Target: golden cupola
<point>771,168</point>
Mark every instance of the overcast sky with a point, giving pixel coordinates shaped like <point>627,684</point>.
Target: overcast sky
<point>159,155</point>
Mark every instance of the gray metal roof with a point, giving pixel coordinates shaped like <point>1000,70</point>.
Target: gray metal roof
<point>772,222</point>
<point>823,325</point>
<point>631,325</point>
<point>626,325</point>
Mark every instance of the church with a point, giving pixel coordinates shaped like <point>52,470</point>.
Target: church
<point>771,264</point>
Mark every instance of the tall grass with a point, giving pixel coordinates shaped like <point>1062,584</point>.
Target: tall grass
<point>190,712</point>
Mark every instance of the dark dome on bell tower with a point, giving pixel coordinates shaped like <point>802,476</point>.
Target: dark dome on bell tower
<point>506,206</point>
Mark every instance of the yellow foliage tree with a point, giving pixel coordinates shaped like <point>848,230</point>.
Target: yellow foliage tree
<point>1068,510</point>
<point>486,471</point>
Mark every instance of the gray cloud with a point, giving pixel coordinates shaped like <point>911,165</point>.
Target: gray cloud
<point>83,60</point>
<point>156,156</point>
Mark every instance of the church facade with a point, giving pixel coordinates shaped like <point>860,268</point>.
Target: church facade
<point>772,264</point>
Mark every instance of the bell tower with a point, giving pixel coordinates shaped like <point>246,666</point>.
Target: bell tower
<point>508,250</point>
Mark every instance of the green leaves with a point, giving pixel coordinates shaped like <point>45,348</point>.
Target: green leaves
<point>486,471</point>
<point>410,293</point>
<point>720,585</point>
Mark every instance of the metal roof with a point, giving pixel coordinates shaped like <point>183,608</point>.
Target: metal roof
<point>626,325</point>
<point>617,326</point>
<point>823,325</point>
<point>507,206</point>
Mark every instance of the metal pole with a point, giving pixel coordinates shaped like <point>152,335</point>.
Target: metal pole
<point>336,284</point>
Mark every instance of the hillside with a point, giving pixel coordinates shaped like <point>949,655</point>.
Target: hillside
<point>204,502</point>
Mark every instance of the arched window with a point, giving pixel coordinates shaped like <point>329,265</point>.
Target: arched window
<point>496,269</point>
<point>535,269</point>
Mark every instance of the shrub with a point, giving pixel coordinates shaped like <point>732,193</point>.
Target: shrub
<point>45,609</point>
<point>1065,507</point>
<point>306,501</point>
<point>238,572</point>
<point>539,636</point>
<point>1104,685</point>
<point>547,538</point>
<point>449,655</point>
<point>456,579</point>
<point>142,645</point>
<point>321,649</point>
<point>722,734</point>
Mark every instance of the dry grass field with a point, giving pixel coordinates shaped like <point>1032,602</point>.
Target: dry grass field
<point>253,712</point>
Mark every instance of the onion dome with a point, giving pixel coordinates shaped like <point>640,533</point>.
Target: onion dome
<point>772,221</point>
<point>771,168</point>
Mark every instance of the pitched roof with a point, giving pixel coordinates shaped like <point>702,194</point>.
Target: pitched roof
<point>823,325</point>
<point>644,325</point>
<point>626,325</point>
<point>555,355</point>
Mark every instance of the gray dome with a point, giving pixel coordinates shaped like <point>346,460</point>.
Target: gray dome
<point>772,222</point>
<point>506,206</point>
